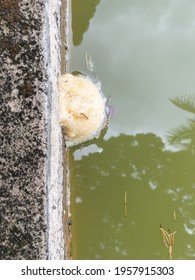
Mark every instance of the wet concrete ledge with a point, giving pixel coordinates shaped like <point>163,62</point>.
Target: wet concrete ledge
<point>31,190</point>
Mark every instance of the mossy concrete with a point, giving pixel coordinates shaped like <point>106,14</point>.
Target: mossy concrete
<point>31,190</point>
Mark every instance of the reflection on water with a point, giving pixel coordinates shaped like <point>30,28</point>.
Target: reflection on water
<point>132,179</point>
<point>158,183</point>
<point>82,12</point>
<point>184,135</point>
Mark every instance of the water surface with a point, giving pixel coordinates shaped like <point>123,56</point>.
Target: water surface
<point>131,180</point>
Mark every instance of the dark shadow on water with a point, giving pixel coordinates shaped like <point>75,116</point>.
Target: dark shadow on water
<point>82,12</point>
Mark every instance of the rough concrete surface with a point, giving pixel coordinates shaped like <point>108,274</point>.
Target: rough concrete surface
<point>31,164</point>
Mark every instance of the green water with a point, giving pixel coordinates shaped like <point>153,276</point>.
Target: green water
<point>134,177</point>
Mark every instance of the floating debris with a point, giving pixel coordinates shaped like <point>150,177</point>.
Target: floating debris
<point>126,203</point>
<point>174,215</point>
<point>168,239</point>
<point>90,65</point>
<point>83,111</point>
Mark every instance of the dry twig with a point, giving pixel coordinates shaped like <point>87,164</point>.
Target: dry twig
<point>168,239</point>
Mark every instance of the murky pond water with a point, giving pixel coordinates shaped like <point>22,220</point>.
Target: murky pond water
<point>140,174</point>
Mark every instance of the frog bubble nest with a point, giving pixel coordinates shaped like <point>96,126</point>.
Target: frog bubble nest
<point>83,111</point>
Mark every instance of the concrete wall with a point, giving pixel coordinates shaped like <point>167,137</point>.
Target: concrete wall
<point>31,190</point>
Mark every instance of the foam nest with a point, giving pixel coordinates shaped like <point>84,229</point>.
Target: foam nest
<point>82,108</point>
